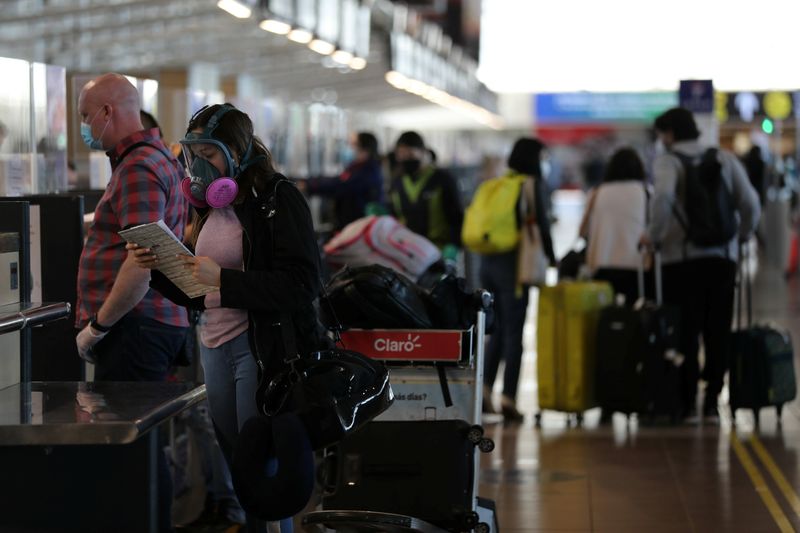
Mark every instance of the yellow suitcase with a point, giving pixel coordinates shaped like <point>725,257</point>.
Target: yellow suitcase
<point>566,330</point>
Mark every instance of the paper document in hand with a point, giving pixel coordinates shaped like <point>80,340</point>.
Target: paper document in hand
<point>159,238</point>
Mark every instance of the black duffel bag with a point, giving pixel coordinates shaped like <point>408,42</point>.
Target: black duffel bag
<point>373,296</point>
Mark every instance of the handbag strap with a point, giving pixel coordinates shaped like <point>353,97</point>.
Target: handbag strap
<point>529,198</point>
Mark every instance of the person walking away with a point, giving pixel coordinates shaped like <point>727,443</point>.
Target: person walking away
<point>614,221</point>
<point>498,274</point>
<point>703,206</point>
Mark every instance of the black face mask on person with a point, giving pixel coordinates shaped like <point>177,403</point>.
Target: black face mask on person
<point>410,166</point>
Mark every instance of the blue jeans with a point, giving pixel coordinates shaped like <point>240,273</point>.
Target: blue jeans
<point>138,349</point>
<point>231,377</point>
<point>498,275</point>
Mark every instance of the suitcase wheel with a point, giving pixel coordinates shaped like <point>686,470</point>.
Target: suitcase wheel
<point>470,521</point>
<point>578,417</point>
<point>537,420</point>
<point>482,527</point>
<point>779,407</point>
<point>486,445</point>
<point>475,434</point>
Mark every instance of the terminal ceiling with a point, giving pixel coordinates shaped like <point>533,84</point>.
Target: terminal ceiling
<point>144,37</point>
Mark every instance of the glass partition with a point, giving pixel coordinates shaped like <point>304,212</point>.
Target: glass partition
<point>49,88</point>
<point>16,150</point>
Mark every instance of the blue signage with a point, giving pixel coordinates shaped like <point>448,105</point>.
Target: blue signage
<point>697,95</point>
<point>560,108</point>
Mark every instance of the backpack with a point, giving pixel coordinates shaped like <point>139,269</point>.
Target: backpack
<point>490,221</point>
<point>710,218</point>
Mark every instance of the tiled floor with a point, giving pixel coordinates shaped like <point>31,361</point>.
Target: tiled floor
<point>629,478</point>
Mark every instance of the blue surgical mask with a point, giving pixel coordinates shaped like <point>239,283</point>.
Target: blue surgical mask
<point>347,155</point>
<point>86,134</point>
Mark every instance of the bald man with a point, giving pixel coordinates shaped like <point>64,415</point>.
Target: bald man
<point>128,331</point>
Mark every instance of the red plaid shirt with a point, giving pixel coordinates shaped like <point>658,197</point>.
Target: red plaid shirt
<point>144,187</point>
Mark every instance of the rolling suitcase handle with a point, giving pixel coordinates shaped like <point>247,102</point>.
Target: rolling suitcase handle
<point>745,284</point>
<point>657,273</point>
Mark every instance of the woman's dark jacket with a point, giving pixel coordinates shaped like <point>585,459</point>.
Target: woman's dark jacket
<point>280,278</point>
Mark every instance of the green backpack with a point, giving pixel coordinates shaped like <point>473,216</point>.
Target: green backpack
<point>490,222</point>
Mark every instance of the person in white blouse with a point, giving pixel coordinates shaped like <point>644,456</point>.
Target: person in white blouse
<point>613,223</point>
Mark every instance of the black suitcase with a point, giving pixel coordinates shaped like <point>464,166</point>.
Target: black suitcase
<point>638,369</point>
<point>422,469</point>
<point>373,296</point>
<point>761,362</point>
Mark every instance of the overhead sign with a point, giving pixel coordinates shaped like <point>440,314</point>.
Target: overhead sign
<point>559,108</point>
<point>697,95</point>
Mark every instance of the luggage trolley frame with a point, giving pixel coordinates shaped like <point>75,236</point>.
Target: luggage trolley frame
<point>422,363</point>
<point>427,369</point>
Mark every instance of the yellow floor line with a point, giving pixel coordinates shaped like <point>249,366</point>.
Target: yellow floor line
<point>786,488</point>
<point>761,486</point>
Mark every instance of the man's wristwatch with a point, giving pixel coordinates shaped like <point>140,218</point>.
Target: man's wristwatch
<point>97,326</point>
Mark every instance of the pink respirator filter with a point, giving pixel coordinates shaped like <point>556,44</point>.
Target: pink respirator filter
<point>221,192</point>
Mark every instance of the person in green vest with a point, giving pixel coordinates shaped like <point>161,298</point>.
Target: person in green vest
<point>425,198</point>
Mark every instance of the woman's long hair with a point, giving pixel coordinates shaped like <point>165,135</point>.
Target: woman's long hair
<point>525,157</point>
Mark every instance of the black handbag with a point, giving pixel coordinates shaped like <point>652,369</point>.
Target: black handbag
<point>334,392</point>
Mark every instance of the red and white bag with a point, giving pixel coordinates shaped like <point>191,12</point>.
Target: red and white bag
<point>382,240</point>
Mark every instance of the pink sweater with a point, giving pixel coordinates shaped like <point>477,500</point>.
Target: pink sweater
<point>221,240</point>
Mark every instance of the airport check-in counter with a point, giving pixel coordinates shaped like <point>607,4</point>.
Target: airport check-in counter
<point>74,455</point>
<point>82,456</point>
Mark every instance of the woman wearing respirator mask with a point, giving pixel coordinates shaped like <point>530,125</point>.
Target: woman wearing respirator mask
<point>254,239</point>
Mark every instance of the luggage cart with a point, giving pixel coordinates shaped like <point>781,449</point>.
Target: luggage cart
<point>436,376</point>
